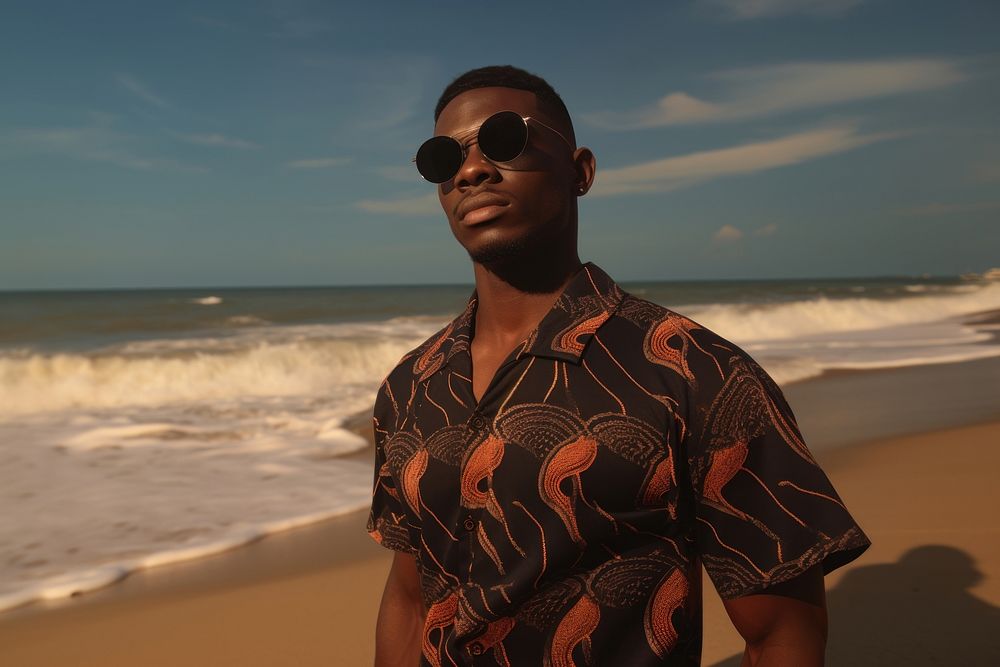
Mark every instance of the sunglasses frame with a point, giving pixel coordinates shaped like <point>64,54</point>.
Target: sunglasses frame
<point>475,133</point>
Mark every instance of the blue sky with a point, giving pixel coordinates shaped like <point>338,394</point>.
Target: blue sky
<point>269,143</point>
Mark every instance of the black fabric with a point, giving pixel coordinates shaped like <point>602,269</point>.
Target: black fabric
<point>565,517</point>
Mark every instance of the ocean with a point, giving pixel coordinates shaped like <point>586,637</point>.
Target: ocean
<point>140,427</point>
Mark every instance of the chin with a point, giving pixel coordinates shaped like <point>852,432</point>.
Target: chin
<point>513,238</point>
<point>500,250</point>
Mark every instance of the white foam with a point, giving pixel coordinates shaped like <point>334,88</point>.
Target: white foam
<point>84,579</point>
<point>120,436</point>
<point>246,321</point>
<point>344,440</point>
<point>755,322</point>
<point>208,300</point>
<point>293,361</point>
<point>63,585</point>
<point>786,370</point>
<point>99,510</point>
<point>949,341</point>
<point>157,451</point>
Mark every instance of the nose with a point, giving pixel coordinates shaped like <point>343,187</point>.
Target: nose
<point>476,169</point>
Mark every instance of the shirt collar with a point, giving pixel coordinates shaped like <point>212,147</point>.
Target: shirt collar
<point>587,302</point>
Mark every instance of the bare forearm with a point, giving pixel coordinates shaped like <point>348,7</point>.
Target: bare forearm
<point>792,654</point>
<point>398,632</point>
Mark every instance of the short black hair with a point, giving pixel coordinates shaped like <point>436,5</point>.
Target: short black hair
<point>508,76</point>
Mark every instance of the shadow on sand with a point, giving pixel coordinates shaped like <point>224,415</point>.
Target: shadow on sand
<point>917,611</point>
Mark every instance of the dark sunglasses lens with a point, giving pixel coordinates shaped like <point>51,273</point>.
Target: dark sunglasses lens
<point>503,136</point>
<point>439,158</point>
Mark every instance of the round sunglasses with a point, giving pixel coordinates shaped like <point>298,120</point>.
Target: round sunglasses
<point>501,138</point>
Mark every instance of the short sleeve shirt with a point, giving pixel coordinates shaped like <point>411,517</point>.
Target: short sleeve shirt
<point>564,518</point>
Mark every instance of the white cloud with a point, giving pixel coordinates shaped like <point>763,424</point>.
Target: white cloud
<point>767,230</point>
<point>318,163</point>
<point>753,9</point>
<point>940,208</point>
<point>92,144</point>
<point>301,28</point>
<point>398,172</point>
<point>141,91</point>
<point>987,173</point>
<point>683,171</point>
<point>727,234</point>
<point>211,22</point>
<point>395,103</point>
<point>219,140</point>
<point>295,21</point>
<point>387,91</point>
<point>768,90</point>
<point>424,205</point>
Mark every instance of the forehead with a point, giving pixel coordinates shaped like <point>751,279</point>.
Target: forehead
<point>472,107</point>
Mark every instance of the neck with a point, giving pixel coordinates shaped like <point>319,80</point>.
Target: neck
<point>515,295</point>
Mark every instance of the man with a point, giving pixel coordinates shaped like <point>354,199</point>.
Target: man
<point>555,465</point>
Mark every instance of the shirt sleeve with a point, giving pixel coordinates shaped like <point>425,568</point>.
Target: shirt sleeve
<point>389,521</point>
<point>765,510</point>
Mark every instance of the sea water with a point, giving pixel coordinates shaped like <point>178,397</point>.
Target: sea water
<point>140,427</point>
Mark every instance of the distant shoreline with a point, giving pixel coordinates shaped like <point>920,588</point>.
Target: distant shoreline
<point>985,274</point>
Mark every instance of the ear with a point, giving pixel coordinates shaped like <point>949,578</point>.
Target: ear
<point>585,167</point>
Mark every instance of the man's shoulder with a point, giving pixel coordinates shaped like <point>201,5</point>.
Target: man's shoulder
<point>425,358</point>
<point>671,340</point>
<point>651,320</point>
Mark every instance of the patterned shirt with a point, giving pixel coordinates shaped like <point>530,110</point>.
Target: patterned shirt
<point>564,518</point>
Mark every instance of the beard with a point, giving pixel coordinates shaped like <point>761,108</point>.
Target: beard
<point>526,262</point>
<point>500,251</point>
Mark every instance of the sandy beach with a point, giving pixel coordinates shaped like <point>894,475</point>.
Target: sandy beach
<point>921,485</point>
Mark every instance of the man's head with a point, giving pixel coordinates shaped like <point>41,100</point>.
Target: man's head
<point>524,208</point>
<point>506,76</point>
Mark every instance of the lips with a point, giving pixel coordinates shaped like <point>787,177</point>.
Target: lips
<point>481,200</point>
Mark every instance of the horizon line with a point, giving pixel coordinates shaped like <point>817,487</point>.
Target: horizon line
<point>917,276</point>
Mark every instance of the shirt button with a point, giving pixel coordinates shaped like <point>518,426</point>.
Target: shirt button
<point>469,523</point>
<point>478,422</point>
<point>476,648</point>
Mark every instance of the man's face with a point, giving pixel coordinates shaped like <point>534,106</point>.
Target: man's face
<point>518,208</point>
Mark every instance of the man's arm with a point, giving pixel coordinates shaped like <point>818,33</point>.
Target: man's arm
<point>399,630</point>
<point>786,624</point>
